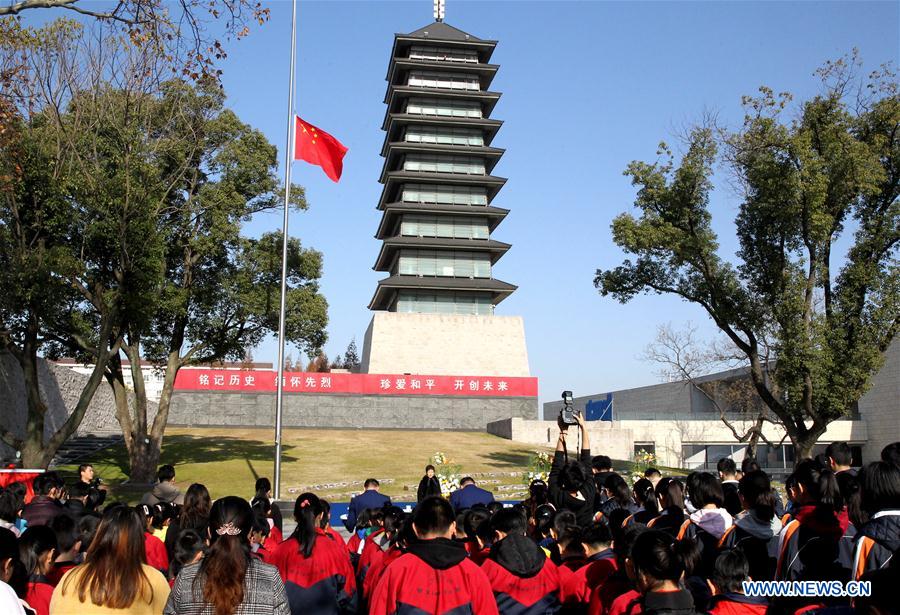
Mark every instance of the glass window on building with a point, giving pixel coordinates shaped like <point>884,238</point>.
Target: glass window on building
<point>444,164</point>
<point>706,456</point>
<point>444,264</point>
<point>444,108</point>
<point>455,227</point>
<point>423,302</point>
<point>443,54</point>
<point>444,81</point>
<point>444,135</point>
<point>450,195</point>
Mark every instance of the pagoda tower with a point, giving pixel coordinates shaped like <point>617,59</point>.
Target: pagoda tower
<point>435,310</point>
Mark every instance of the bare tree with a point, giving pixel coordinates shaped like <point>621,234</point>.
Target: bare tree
<point>189,34</point>
<point>684,357</point>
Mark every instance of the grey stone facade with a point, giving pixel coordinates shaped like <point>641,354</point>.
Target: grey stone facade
<point>60,389</point>
<point>196,409</point>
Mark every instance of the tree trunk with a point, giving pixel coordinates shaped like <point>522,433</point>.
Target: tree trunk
<point>143,460</point>
<point>32,447</point>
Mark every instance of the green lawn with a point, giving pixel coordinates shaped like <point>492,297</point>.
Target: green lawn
<point>329,462</point>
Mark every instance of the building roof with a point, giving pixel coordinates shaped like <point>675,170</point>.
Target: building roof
<point>388,287</point>
<point>391,245</point>
<point>392,211</point>
<point>440,30</point>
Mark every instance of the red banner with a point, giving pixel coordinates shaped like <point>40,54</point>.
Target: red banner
<point>260,381</point>
<point>8,477</point>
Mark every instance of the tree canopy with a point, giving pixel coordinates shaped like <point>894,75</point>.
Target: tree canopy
<point>813,326</point>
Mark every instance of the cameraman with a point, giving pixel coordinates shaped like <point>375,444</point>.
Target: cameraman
<point>570,484</point>
<point>96,496</point>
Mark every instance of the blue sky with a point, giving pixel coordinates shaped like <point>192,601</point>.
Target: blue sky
<point>587,87</point>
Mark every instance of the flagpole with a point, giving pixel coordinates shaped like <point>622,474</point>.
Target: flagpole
<point>288,155</point>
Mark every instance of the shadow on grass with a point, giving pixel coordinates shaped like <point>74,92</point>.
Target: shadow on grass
<point>187,449</point>
<point>510,459</point>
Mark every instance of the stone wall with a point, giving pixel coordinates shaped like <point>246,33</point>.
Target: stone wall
<point>617,438</point>
<point>880,407</point>
<point>197,408</point>
<point>445,345</point>
<point>60,390</point>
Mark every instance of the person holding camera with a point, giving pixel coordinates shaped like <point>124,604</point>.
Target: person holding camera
<point>570,484</point>
<point>96,495</point>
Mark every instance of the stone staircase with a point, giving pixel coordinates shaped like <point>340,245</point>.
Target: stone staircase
<point>82,448</point>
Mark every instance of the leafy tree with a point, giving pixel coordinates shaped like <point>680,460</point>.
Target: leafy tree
<point>219,292</point>
<point>351,356</point>
<point>826,323</point>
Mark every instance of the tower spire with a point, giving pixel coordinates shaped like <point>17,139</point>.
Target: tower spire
<point>439,10</point>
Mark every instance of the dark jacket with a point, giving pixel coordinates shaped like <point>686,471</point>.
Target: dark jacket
<point>524,581</point>
<point>433,577</point>
<point>668,603</point>
<point>428,487</point>
<point>876,542</point>
<point>321,584</point>
<point>42,510</point>
<point>469,496</point>
<point>732,499</point>
<point>369,498</point>
<point>583,509</point>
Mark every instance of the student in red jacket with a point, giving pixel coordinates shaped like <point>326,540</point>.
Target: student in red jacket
<point>434,576</point>
<point>730,572</point>
<point>68,541</point>
<point>316,571</point>
<point>600,564</point>
<point>37,549</point>
<point>400,539</point>
<point>524,580</point>
<point>657,565</point>
<point>155,549</point>
<point>325,524</point>
<point>377,545</point>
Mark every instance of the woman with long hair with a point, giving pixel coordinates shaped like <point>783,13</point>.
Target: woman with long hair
<point>316,570</point>
<point>670,494</point>
<point>38,549</point>
<point>227,580</point>
<point>194,516</point>
<point>114,576</point>
<point>656,566</point>
<point>263,489</point>
<point>645,497</point>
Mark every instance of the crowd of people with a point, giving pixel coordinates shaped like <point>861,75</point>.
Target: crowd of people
<point>584,542</point>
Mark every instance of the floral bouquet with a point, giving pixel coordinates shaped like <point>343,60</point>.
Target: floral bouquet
<point>538,467</point>
<point>642,460</point>
<point>448,473</point>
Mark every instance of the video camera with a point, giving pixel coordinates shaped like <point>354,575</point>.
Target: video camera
<point>568,413</point>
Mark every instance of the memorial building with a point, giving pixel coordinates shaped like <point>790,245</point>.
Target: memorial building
<point>434,312</point>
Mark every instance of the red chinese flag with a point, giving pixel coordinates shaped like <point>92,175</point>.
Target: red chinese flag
<point>317,147</point>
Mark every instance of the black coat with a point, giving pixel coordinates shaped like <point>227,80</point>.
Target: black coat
<point>428,487</point>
